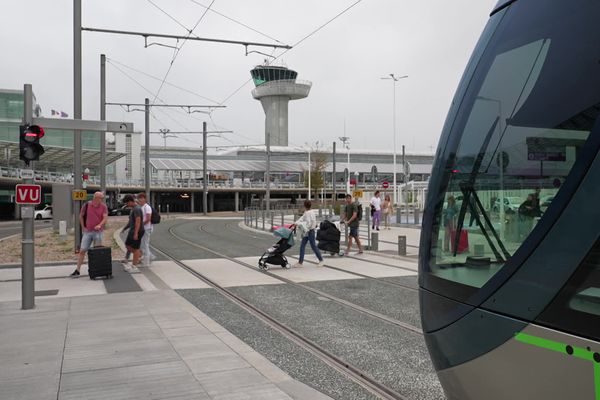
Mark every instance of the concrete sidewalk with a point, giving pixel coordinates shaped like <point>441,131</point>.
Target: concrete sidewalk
<point>137,345</point>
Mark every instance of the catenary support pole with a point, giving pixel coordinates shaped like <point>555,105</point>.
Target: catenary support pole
<point>27,242</point>
<point>334,196</point>
<point>147,144</point>
<point>268,174</point>
<point>103,118</point>
<point>204,175</point>
<point>77,182</point>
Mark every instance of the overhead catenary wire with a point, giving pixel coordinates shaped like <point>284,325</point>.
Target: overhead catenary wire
<point>178,50</point>
<point>113,61</point>
<point>295,45</point>
<point>236,21</point>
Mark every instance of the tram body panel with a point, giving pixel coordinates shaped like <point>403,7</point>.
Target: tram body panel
<point>523,371</point>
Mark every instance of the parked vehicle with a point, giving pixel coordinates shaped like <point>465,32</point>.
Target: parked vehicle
<point>44,213</point>
<point>123,210</point>
<point>511,204</point>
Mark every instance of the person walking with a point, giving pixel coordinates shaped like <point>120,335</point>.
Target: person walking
<point>135,234</point>
<point>449,219</point>
<point>92,217</point>
<point>387,210</point>
<point>350,218</point>
<point>376,204</point>
<point>308,222</point>
<point>148,257</point>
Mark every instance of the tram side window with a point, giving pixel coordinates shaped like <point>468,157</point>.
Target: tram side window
<point>515,141</point>
<point>576,309</point>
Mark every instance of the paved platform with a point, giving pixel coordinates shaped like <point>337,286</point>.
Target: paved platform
<point>137,345</point>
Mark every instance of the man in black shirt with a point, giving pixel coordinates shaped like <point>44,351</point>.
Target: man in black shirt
<point>136,231</point>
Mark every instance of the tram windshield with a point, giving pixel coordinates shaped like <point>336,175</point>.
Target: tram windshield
<point>529,107</point>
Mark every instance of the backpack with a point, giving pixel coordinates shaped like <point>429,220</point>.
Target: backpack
<point>359,211</point>
<point>155,217</point>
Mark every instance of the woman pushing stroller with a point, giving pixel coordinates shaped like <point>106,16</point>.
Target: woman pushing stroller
<point>306,226</point>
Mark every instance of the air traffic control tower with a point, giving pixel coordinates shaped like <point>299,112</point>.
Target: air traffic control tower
<point>275,87</point>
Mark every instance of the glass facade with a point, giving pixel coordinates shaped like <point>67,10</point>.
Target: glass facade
<point>530,104</point>
<point>264,74</point>
<point>11,114</point>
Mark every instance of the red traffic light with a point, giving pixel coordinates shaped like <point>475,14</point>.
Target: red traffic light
<point>33,132</point>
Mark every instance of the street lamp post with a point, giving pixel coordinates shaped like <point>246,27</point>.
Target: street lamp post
<point>309,173</point>
<point>395,79</point>
<point>346,142</point>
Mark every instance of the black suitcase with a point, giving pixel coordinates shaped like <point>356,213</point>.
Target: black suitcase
<point>100,262</point>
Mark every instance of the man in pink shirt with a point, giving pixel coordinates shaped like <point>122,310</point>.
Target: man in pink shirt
<point>92,218</point>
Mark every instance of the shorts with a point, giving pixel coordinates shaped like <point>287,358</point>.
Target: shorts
<point>354,231</point>
<point>88,238</point>
<point>134,244</point>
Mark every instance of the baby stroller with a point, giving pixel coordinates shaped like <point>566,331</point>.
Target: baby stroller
<point>328,236</point>
<point>274,254</point>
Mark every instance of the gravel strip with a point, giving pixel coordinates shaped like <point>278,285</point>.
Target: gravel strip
<point>297,362</point>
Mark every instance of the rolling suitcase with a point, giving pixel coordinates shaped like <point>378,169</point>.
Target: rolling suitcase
<point>100,262</point>
<point>463,242</point>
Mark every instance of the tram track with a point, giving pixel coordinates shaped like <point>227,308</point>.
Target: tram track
<point>318,292</point>
<point>355,374</point>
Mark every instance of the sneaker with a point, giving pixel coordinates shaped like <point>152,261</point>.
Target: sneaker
<point>134,270</point>
<point>127,266</point>
<point>377,228</point>
<point>75,274</point>
<point>320,263</point>
<point>297,265</point>
<point>360,252</point>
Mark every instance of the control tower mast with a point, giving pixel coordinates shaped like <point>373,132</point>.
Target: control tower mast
<point>275,87</point>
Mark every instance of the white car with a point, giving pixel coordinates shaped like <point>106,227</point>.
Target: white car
<point>44,213</point>
<point>511,204</point>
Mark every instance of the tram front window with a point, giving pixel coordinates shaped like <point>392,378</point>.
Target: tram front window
<point>530,105</point>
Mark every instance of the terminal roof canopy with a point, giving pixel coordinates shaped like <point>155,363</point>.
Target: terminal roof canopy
<point>61,157</point>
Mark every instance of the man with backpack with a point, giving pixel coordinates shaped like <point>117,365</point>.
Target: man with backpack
<point>92,218</point>
<point>352,217</point>
<point>148,215</point>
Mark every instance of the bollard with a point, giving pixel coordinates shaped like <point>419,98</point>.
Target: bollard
<point>320,212</point>
<point>62,230</point>
<point>417,216</point>
<point>375,241</point>
<point>401,245</point>
<point>272,219</point>
<point>256,219</point>
<point>398,215</point>
<point>168,211</point>
<point>478,250</point>
<point>282,217</point>
<point>263,219</point>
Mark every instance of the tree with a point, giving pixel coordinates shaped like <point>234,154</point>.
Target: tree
<point>318,163</point>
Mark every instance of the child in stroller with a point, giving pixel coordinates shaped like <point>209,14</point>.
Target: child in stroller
<point>275,254</point>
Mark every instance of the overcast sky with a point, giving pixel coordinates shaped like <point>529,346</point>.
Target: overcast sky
<point>430,41</point>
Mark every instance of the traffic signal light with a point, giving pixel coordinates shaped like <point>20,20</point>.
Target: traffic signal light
<point>30,148</point>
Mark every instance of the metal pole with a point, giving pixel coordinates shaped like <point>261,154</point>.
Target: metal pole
<point>27,243</point>
<point>103,118</point>
<point>268,177</point>
<point>403,175</point>
<point>334,198</point>
<point>204,168</point>
<point>77,183</point>
<point>309,175</point>
<point>348,167</point>
<point>394,127</point>
<point>147,152</point>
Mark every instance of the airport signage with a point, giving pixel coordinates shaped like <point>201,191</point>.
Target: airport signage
<point>79,195</point>
<point>28,194</point>
<point>357,194</point>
